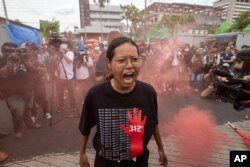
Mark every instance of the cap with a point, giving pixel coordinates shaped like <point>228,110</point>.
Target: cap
<point>29,45</point>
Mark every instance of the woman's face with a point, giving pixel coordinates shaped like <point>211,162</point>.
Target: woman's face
<point>125,66</point>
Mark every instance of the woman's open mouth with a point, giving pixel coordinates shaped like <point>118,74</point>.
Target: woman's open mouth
<point>128,77</point>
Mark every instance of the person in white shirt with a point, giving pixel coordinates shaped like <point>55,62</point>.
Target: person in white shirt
<point>83,64</point>
<point>65,75</point>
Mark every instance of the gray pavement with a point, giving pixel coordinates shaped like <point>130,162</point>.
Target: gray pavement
<point>220,158</point>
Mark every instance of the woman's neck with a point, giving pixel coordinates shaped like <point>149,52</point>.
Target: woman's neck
<point>120,89</point>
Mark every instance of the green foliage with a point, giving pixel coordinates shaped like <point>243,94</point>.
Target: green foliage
<point>49,27</point>
<point>224,27</point>
<point>157,32</point>
<point>69,36</point>
<point>17,21</point>
<point>101,3</point>
<point>247,28</point>
<point>172,21</point>
<point>132,14</point>
<point>242,21</point>
<point>240,24</point>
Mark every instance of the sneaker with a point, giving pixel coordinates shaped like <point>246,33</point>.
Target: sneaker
<point>218,100</point>
<point>246,116</point>
<point>18,135</point>
<point>33,119</point>
<point>33,126</point>
<point>48,116</point>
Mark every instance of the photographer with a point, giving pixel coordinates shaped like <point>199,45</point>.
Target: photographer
<point>242,64</point>
<point>16,70</point>
<point>5,69</point>
<point>65,74</point>
<point>38,72</point>
<point>211,81</point>
<point>197,69</point>
<point>83,63</point>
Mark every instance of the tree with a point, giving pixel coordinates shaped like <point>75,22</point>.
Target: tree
<point>133,16</point>
<point>49,27</point>
<point>17,21</point>
<point>157,32</point>
<point>173,21</point>
<point>247,28</point>
<point>224,27</point>
<point>68,35</point>
<point>101,4</point>
<point>242,21</point>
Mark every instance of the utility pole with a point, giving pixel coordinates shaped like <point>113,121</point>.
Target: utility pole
<point>145,22</point>
<point>101,23</point>
<point>5,12</point>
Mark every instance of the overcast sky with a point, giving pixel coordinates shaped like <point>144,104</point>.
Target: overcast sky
<point>66,11</point>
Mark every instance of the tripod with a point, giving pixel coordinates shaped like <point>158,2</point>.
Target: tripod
<point>56,64</point>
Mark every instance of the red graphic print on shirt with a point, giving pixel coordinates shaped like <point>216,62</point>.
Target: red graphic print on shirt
<point>135,131</point>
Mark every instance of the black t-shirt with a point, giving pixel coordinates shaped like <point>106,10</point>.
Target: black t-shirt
<point>123,120</point>
<point>18,82</point>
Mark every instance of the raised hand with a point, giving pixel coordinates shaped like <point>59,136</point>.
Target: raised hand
<point>135,131</point>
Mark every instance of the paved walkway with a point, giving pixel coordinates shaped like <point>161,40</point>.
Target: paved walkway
<point>218,159</point>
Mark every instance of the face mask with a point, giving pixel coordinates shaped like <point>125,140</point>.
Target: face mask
<point>97,48</point>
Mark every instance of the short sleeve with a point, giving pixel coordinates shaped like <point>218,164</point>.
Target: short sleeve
<point>70,55</point>
<point>87,120</point>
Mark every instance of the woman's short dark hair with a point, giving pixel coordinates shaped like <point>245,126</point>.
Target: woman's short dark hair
<point>118,42</point>
<point>244,55</point>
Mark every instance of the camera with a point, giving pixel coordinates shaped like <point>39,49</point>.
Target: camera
<point>55,42</point>
<point>232,89</point>
<point>21,52</point>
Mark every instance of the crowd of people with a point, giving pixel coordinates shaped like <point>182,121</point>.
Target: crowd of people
<point>168,67</point>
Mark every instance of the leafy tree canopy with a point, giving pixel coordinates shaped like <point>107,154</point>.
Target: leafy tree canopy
<point>224,27</point>
<point>172,22</point>
<point>242,21</point>
<point>49,27</point>
<point>247,28</point>
<point>157,32</point>
<point>101,3</point>
<point>132,13</point>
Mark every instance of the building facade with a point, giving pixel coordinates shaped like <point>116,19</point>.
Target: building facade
<point>84,13</point>
<point>232,8</point>
<point>101,21</point>
<point>205,16</point>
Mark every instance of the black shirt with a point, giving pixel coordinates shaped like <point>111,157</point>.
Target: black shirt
<point>19,80</point>
<point>114,112</point>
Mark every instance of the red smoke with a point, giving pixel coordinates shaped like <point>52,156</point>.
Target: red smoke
<point>157,71</point>
<point>196,134</point>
